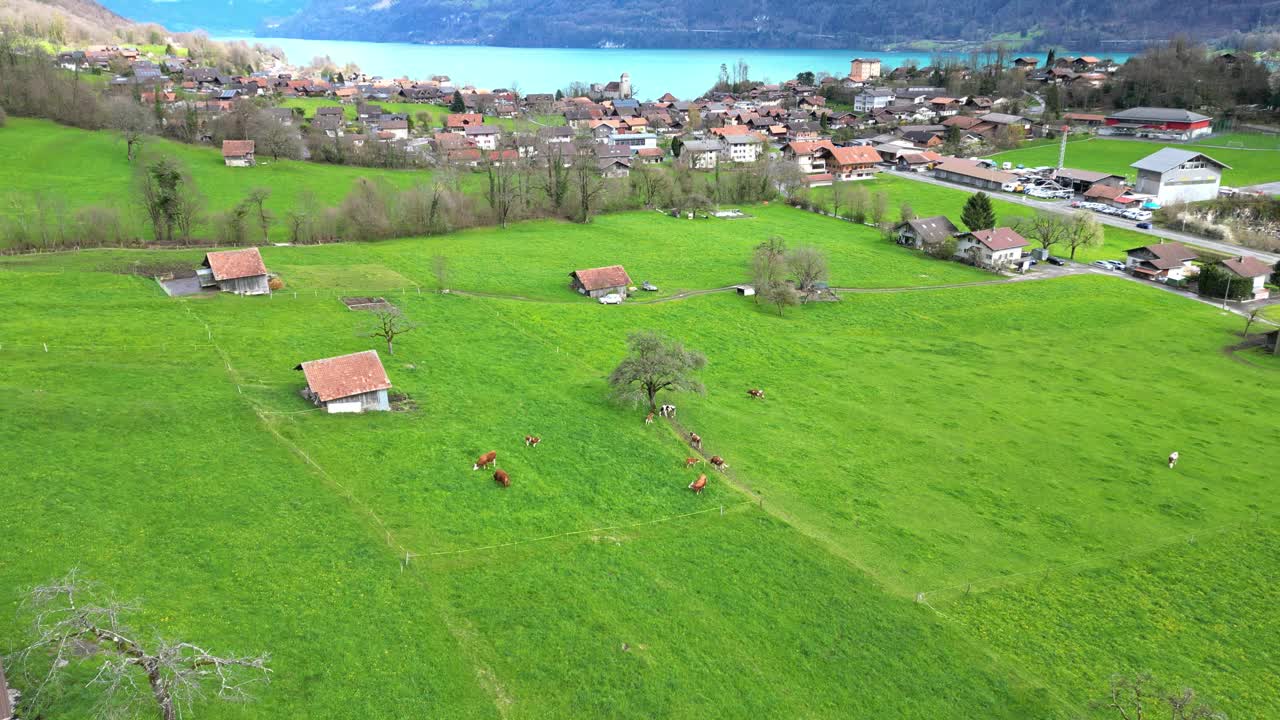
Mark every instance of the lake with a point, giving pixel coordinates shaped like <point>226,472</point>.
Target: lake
<point>684,73</point>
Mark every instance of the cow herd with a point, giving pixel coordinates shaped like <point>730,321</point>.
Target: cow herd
<point>501,477</point>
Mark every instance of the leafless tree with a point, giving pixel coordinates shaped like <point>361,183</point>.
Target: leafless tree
<point>809,267</point>
<point>1046,228</point>
<point>440,269</point>
<point>274,138</point>
<point>256,203</point>
<point>1250,319</point>
<point>75,624</point>
<point>388,325</point>
<point>587,183</point>
<point>768,264</point>
<point>787,177</point>
<point>781,295</point>
<point>649,183</point>
<point>501,191</point>
<point>1135,697</point>
<point>1082,231</point>
<point>879,207</point>
<point>131,120</point>
<point>555,176</point>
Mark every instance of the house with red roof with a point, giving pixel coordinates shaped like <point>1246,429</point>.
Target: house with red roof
<point>1162,262</point>
<point>849,163</point>
<point>1252,272</point>
<point>235,271</point>
<point>997,249</point>
<point>601,281</point>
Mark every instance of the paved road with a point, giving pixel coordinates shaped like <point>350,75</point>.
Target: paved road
<point>1062,206</point>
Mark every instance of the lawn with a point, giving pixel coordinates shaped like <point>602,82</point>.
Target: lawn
<point>80,168</point>
<point>910,441</point>
<point>1260,141</point>
<point>1248,167</point>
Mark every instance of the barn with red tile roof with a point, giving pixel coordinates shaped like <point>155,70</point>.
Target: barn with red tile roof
<point>601,281</point>
<point>235,271</point>
<point>347,383</point>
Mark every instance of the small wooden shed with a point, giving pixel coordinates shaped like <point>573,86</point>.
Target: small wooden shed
<point>601,281</point>
<point>235,271</point>
<point>238,153</point>
<point>348,383</point>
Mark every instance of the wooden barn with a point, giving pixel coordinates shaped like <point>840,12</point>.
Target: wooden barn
<point>348,383</point>
<point>235,271</point>
<point>237,153</point>
<point>601,281</point>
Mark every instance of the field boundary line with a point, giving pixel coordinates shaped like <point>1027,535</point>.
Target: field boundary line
<point>722,509</point>
<point>992,581</point>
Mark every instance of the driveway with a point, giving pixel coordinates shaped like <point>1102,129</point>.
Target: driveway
<point>1064,206</point>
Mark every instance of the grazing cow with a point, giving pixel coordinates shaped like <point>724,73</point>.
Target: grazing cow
<point>695,440</point>
<point>690,462</point>
<point>756,393</point>
<point>502,478</point>
<point>697,485</point>
<point>532,440</point>
<point>485,460</point>
<point>1173,459</point>
<point>667,411</point>
<point>648,419</point>
<point>718,462</point>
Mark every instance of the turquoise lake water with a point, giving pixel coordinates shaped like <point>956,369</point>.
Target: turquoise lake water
<point>684,73</point>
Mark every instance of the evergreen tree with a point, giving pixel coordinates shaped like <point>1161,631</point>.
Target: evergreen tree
<point>1052,101</point>
<point>1048,60</point>
<point>1275,276</point>
<point>559,94</point>
<point>978,213</point>
<point>457,106</point>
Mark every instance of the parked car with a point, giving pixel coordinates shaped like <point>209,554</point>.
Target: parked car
<point>1144,226</point>
<point>648,286</point>
<point>1104,264</point>
<point>1054,260</point>
<point>611,299</point>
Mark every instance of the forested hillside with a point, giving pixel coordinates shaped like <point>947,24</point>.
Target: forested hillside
<point>770,23</point>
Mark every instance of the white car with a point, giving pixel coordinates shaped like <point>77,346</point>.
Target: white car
<point>611,299</point>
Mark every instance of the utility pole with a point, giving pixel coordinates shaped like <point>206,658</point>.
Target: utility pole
<point>1227,293</point>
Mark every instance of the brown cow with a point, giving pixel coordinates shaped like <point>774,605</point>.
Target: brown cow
<point>697,485</point>
<point>648,419</point>
<point>756,393</point>
<point>695,440</point>
<point>502,478</point>
<point>485,460</point>
<point>718,462</point>
<point>690,462</point>
<point>532,440</point>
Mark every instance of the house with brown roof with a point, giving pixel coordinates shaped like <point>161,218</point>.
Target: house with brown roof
<point>803,155</point>
<point>459,122</point>
<point>971,173</point>
<point>348,383</point>
<point>601,281</point>
<point>1162,262</point>
<point>924,232</point>
<point>237,153</point>
<point>998,249</point>
<point>1251,271</point>
<point>849,163</point>
<point>235,271</point>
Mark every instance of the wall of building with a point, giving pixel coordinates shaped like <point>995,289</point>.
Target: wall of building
<point>376,400</point>
<point>255,285</point>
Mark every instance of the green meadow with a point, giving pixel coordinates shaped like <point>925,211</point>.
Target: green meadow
<point>998,448</point>
<point>438,113</point>
<point>1249,166</point>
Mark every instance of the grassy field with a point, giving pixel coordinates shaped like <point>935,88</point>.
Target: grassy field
<point>927,200</point>
<point>437,113</point>
<point>1259,141</point>
<point>1248,167</point>
<point>911,441</point>
<point>38,157</point>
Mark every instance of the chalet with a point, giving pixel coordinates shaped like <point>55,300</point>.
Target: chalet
<point>459,122</point>
<point>650,155</point>
<point>348,383</point>
<point>1158,123</point>
<point>601,281</point>
<point>1080,181</point>
<point>1026,63</point>
<point>864,69</point>
<point>849,163</point>
<point>802,154</point>
<point>237,153</point>
<point>332,110</point>
<point>396,129</point>
<point>484,137</point>
<point>235,271</point>
<point>614,167</point>
<point>701,154</point>
<point>924,232</point>
<point>333,126</point>
<point>973,174</point>
<point>1250,271</point>
<point>560,134</point>
<point>944,106</point>
<point>1162,262</point>
<point>743,148</point>
<point>284,116</point>
<point>1085,119</point>
<point>1175,175</point>
<point>1011,122</point>
<point>997,249</point>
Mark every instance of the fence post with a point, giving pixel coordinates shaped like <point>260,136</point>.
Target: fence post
<point>46,347</point>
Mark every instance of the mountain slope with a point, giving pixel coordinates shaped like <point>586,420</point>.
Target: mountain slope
<point>767,23</point>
